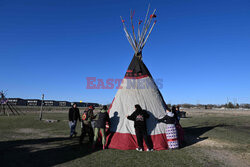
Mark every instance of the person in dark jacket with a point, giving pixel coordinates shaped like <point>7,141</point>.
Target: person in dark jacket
<point>178,113</point>
<point>175,113</point>
<point>168,119</point>
<point>179,129</point>
<point>74,115</point>
<point>86,124</point>
<point>139,117</point>
<point>100,125</point>
<point>171,132</point>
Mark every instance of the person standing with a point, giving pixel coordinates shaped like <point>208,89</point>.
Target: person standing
<point>100,125</point>
<point>174,111</point>
<point>171,132</point>
<point>178,113</point>
<point>139,117</point>
<point>74,115</point>
<point>179,128</point>
<point>86,124</point>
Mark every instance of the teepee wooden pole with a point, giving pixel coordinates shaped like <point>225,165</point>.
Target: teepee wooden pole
<point>127,34</point>
<point>143,34</point>
<point>133,28</point>
<point>132,39</point>
<point>146,29</point>
<point>148,35</point>
<point>138,42</point>
<point>144,24</point>
<point>129,39</point>
<point>143,29</point>
<point>138,36</point>
<point>148,24</point>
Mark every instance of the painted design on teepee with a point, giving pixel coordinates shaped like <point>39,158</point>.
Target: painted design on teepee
<point>137,87</point>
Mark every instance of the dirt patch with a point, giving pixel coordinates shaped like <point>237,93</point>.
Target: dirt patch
<point>218,151</point>
<point>213,143</point>
<point>31,131</point>
<point>26,130</point>
<point>228,158</point>
<point>224,113</point>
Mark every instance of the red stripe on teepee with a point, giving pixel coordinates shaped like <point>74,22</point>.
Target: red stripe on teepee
<point>127,141</point>
<point>137,77</point>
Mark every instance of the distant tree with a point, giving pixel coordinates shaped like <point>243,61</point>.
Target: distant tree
<point>209,106</point>
<point>229,105</point>
<point>237,105</point>
<point>169,105</point>
<point>200,106</point>
<point>187,105</point>
<point>245,105</point>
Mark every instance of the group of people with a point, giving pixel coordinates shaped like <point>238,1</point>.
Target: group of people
<point>87,127</point>
<point>174,132</point>
<point>94,124</point>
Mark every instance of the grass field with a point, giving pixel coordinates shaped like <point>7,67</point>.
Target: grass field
<point>214,138</point>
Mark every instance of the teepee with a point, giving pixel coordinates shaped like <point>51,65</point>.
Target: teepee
<point>6,106</point>
<point>137,87</point>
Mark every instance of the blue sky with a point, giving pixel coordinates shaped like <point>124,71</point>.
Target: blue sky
<point>200,49</point>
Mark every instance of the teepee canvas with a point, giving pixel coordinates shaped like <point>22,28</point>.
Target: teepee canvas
<point>137,87</point>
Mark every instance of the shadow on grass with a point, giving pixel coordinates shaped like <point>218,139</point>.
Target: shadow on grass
<point>42,152</point>
<point>193,134</point>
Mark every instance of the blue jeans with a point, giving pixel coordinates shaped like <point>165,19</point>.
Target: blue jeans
<point>72,125</point>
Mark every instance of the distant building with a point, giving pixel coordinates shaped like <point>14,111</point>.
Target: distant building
<point>17,101</point>
<point>38,102</point>
<point>80,104</point>
<point>50,103</point>
<point>93,104</point>
<point>64,103</point>
<point>34,102</point>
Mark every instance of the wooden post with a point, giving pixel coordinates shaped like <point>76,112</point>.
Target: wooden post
<point>41,110</point>
<point>5,110</point>
<point>10,108</point>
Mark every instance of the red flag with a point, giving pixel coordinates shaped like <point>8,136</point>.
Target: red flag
<point>140,22</point>
<point>123,21</point>
<point>152,16</point>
